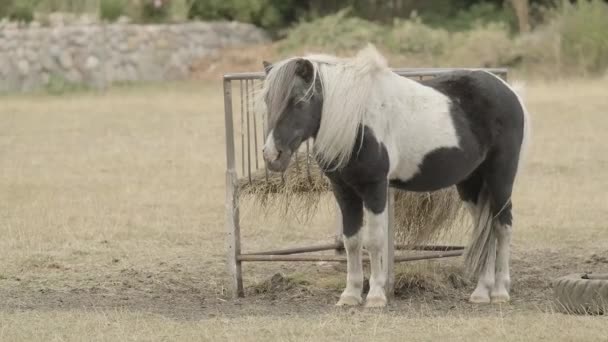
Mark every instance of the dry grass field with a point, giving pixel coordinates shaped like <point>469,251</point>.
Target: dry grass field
<point>112,229</point>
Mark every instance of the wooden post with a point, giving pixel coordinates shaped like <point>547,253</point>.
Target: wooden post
<point>389,257</point>
<point>233,230</point>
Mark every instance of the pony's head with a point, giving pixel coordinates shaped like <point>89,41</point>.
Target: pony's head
<point>320,97</point>
<point>294,107</point>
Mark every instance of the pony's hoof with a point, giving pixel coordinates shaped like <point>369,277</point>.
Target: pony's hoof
<point>375,302</point>
<point>349,301</point>
<point>500,298</point>
<point>477,298</point>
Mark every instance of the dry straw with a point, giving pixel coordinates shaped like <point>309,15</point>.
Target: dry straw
<point>420,217</point>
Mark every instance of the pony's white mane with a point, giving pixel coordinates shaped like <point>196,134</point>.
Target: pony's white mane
<point>347,86</point>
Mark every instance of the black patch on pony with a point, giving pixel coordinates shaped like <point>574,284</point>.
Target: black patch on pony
<point>488,114</point>
<point>362,181</point>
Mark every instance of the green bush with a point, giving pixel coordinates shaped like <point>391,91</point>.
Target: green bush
<point>112,9</point>
<point>71,6</point>
<point>180,9</point>
<point>410,42</point>
<point>338,32</point>
<point>18,10</point>
<point>412,36</point>
<point>269,14</point>
<point>155,10</point>
<point>481,13</point>
<point>584,34</point>
<point>488,45</point>
<point>59,85</point>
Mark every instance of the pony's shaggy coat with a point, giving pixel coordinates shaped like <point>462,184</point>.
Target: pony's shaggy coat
<point>372,128</point>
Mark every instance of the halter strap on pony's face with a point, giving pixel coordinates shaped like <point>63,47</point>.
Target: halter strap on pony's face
<point>294,107</point>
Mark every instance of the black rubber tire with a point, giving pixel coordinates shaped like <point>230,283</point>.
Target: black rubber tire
<point>577,293</point>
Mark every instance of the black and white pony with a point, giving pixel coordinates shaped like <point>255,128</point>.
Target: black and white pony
<point>373,129</point>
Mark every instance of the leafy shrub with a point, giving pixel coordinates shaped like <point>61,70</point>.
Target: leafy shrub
<point>268,14</point>
<point>112,9</point>
<point>483,46</point>
<point>481,13</point>
<point>412,36</point>
<point>70,6</point>
<point>584,34</point>
<point>155,10</point>
<point>18,10</point>
<point>338,32</point>
<point>59,85</point>
<point>179,9</point>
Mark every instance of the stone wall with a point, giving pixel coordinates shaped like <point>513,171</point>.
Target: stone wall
<point>100,54</point>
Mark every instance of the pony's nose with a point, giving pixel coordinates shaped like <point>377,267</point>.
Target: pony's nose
<point>270,151</point>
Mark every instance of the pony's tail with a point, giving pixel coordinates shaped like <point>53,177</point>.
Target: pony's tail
<point>483,243</point>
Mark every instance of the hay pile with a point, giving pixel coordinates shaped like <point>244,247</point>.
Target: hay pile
<point>420,217</point>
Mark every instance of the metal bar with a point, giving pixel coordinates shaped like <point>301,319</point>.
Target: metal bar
<point>242,130</point>
<point>255,127</point>
<point>233,232</point>
<point>408,72</point>
<point>296,250</point>
<point>229,125</point>
<point>338,258</point>
<point>248,131</point>
<point>429,248</point>
<point>338,245</point>
<point>431,255</point>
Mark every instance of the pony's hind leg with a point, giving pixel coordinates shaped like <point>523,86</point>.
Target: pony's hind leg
<point>351,208</point>
<point>499,175</point>
<point>472,192</point>
<point>502,284</point>
<point>486,273</point>
<point>500,184</point>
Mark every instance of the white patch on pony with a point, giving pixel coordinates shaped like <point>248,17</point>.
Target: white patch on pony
<point>354,272</point>
<point>481,294</point>
<point>375,245</point>
<point>500,291</point>
<point>411,120</point>
<point>270,150</point>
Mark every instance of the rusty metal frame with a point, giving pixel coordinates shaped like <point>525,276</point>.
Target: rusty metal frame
<point>235,257</point>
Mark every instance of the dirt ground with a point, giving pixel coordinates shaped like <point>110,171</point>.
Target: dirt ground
<point>111,218</point>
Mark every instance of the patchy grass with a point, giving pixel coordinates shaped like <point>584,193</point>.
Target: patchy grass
<point>111,217</point>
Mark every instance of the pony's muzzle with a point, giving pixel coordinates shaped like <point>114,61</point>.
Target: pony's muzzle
<point>277,162</point>
<point>276,158</point>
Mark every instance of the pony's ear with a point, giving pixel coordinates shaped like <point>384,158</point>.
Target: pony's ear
<point>305,69</point>
<point>267,66</point>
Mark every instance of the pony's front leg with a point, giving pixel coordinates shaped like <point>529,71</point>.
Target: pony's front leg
<point>351,208</point>
<point>354,271</point>
<point>375,244</point>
